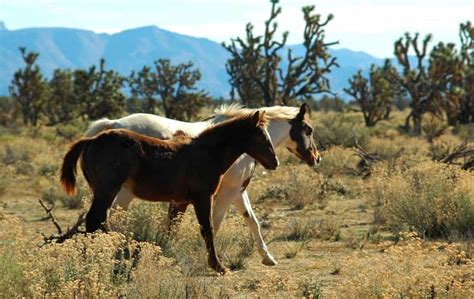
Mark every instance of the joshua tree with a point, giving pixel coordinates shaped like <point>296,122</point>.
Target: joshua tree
<point>61,106</point>
<point>28,88</point>
<point>173,85</point>
<point>414,79</point>
<point>445,73</point>
<point>466,102</point>
<point>375,94</point>
<point>176,87</point>
<point>255,67</point>
<point>99,91</point>
<point>143,85</point>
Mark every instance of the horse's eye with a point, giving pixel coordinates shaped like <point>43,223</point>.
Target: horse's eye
<point>309,131</point>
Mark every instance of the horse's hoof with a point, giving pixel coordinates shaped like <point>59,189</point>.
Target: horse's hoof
<point>226,271</point>
<point>268,260</point>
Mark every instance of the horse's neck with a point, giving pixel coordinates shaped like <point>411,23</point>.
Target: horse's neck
<point>279,131</point>
<point>223,145</point>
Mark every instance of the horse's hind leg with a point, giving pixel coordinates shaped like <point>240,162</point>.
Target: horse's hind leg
<point>97,214</point>
<point>244,207</point>
<point>174,211</point>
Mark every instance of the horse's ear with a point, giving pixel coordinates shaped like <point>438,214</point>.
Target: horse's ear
<point>256,118</point>
<point>304,108</point>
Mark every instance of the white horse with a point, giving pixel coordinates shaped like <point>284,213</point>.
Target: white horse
<point>287,126</point>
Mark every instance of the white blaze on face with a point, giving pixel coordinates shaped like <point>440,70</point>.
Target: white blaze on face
<point>267,135</point>
<point>265,131</point>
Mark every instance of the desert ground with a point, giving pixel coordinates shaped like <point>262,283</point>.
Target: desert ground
<point>400,226</point>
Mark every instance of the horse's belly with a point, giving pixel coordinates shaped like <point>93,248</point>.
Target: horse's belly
<point>158,192</point>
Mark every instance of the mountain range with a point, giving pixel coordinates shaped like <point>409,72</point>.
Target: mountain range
<point>132,49</point>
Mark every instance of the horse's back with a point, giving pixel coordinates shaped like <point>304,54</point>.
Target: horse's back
<point>110,158</point>
<point>158,126</point>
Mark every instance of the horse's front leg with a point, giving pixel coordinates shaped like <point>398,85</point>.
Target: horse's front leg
<point>202,205</point>
<point>243,204</point>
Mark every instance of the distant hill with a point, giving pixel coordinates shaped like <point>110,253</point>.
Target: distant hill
<point>131,49</point>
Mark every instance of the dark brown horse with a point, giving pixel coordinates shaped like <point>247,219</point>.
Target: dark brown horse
<point>181,170</point>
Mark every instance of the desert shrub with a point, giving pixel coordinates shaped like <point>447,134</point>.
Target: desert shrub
<point>98,265</point>
<point>410,146</point>
<point>12,280</point>
<point>48,169</point>
<point>465,132</point>
<point>433,127</point>
<point>333,129</point>
<point>24,168</point>
<point>312,289</point>
<point>301,231</point>
<point>307,228</point>
<point>406,270</point>
<point>292,248</point>
<point>14,154</point>
<point>433,199</point>
<point>401,152</point>
<point>143,222</point>
<point>442,146</point>
<point>336,161</point>
<point>149,223</point>
<point>338,187</point>
<point>233,243</point>
<point>71,130</point>
<point>53,195</point>
<point>302,188</point>
<point>4,182</point>
<point>275,191</point>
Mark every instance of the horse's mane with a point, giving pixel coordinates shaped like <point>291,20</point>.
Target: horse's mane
<point>238,124</point>
<point>274,112</point>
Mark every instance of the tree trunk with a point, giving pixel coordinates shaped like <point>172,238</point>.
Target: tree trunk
<point>387,113</point>
<point>417,123</point>
<point>406,127</point>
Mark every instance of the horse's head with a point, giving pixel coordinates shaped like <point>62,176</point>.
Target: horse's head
<point>260,146</point>
<point>301,142</point>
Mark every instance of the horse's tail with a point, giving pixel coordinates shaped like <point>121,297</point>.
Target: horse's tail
<point>99,126</point>
<point>68,170</point>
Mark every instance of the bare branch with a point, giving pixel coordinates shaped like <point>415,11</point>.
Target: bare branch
<point>60,237</point>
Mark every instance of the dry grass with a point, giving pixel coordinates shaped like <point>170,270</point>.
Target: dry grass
<point>431,198</point>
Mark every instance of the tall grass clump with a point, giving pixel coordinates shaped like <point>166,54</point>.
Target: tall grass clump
<point>143,223</point>
<point>431,198</point>
<point>54,194</point>
<point>332,129</point>
<point>302,188</point>
<point>149,223</point>
<point>337,161</point>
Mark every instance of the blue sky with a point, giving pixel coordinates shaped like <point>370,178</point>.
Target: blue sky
<point>371,26</point>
